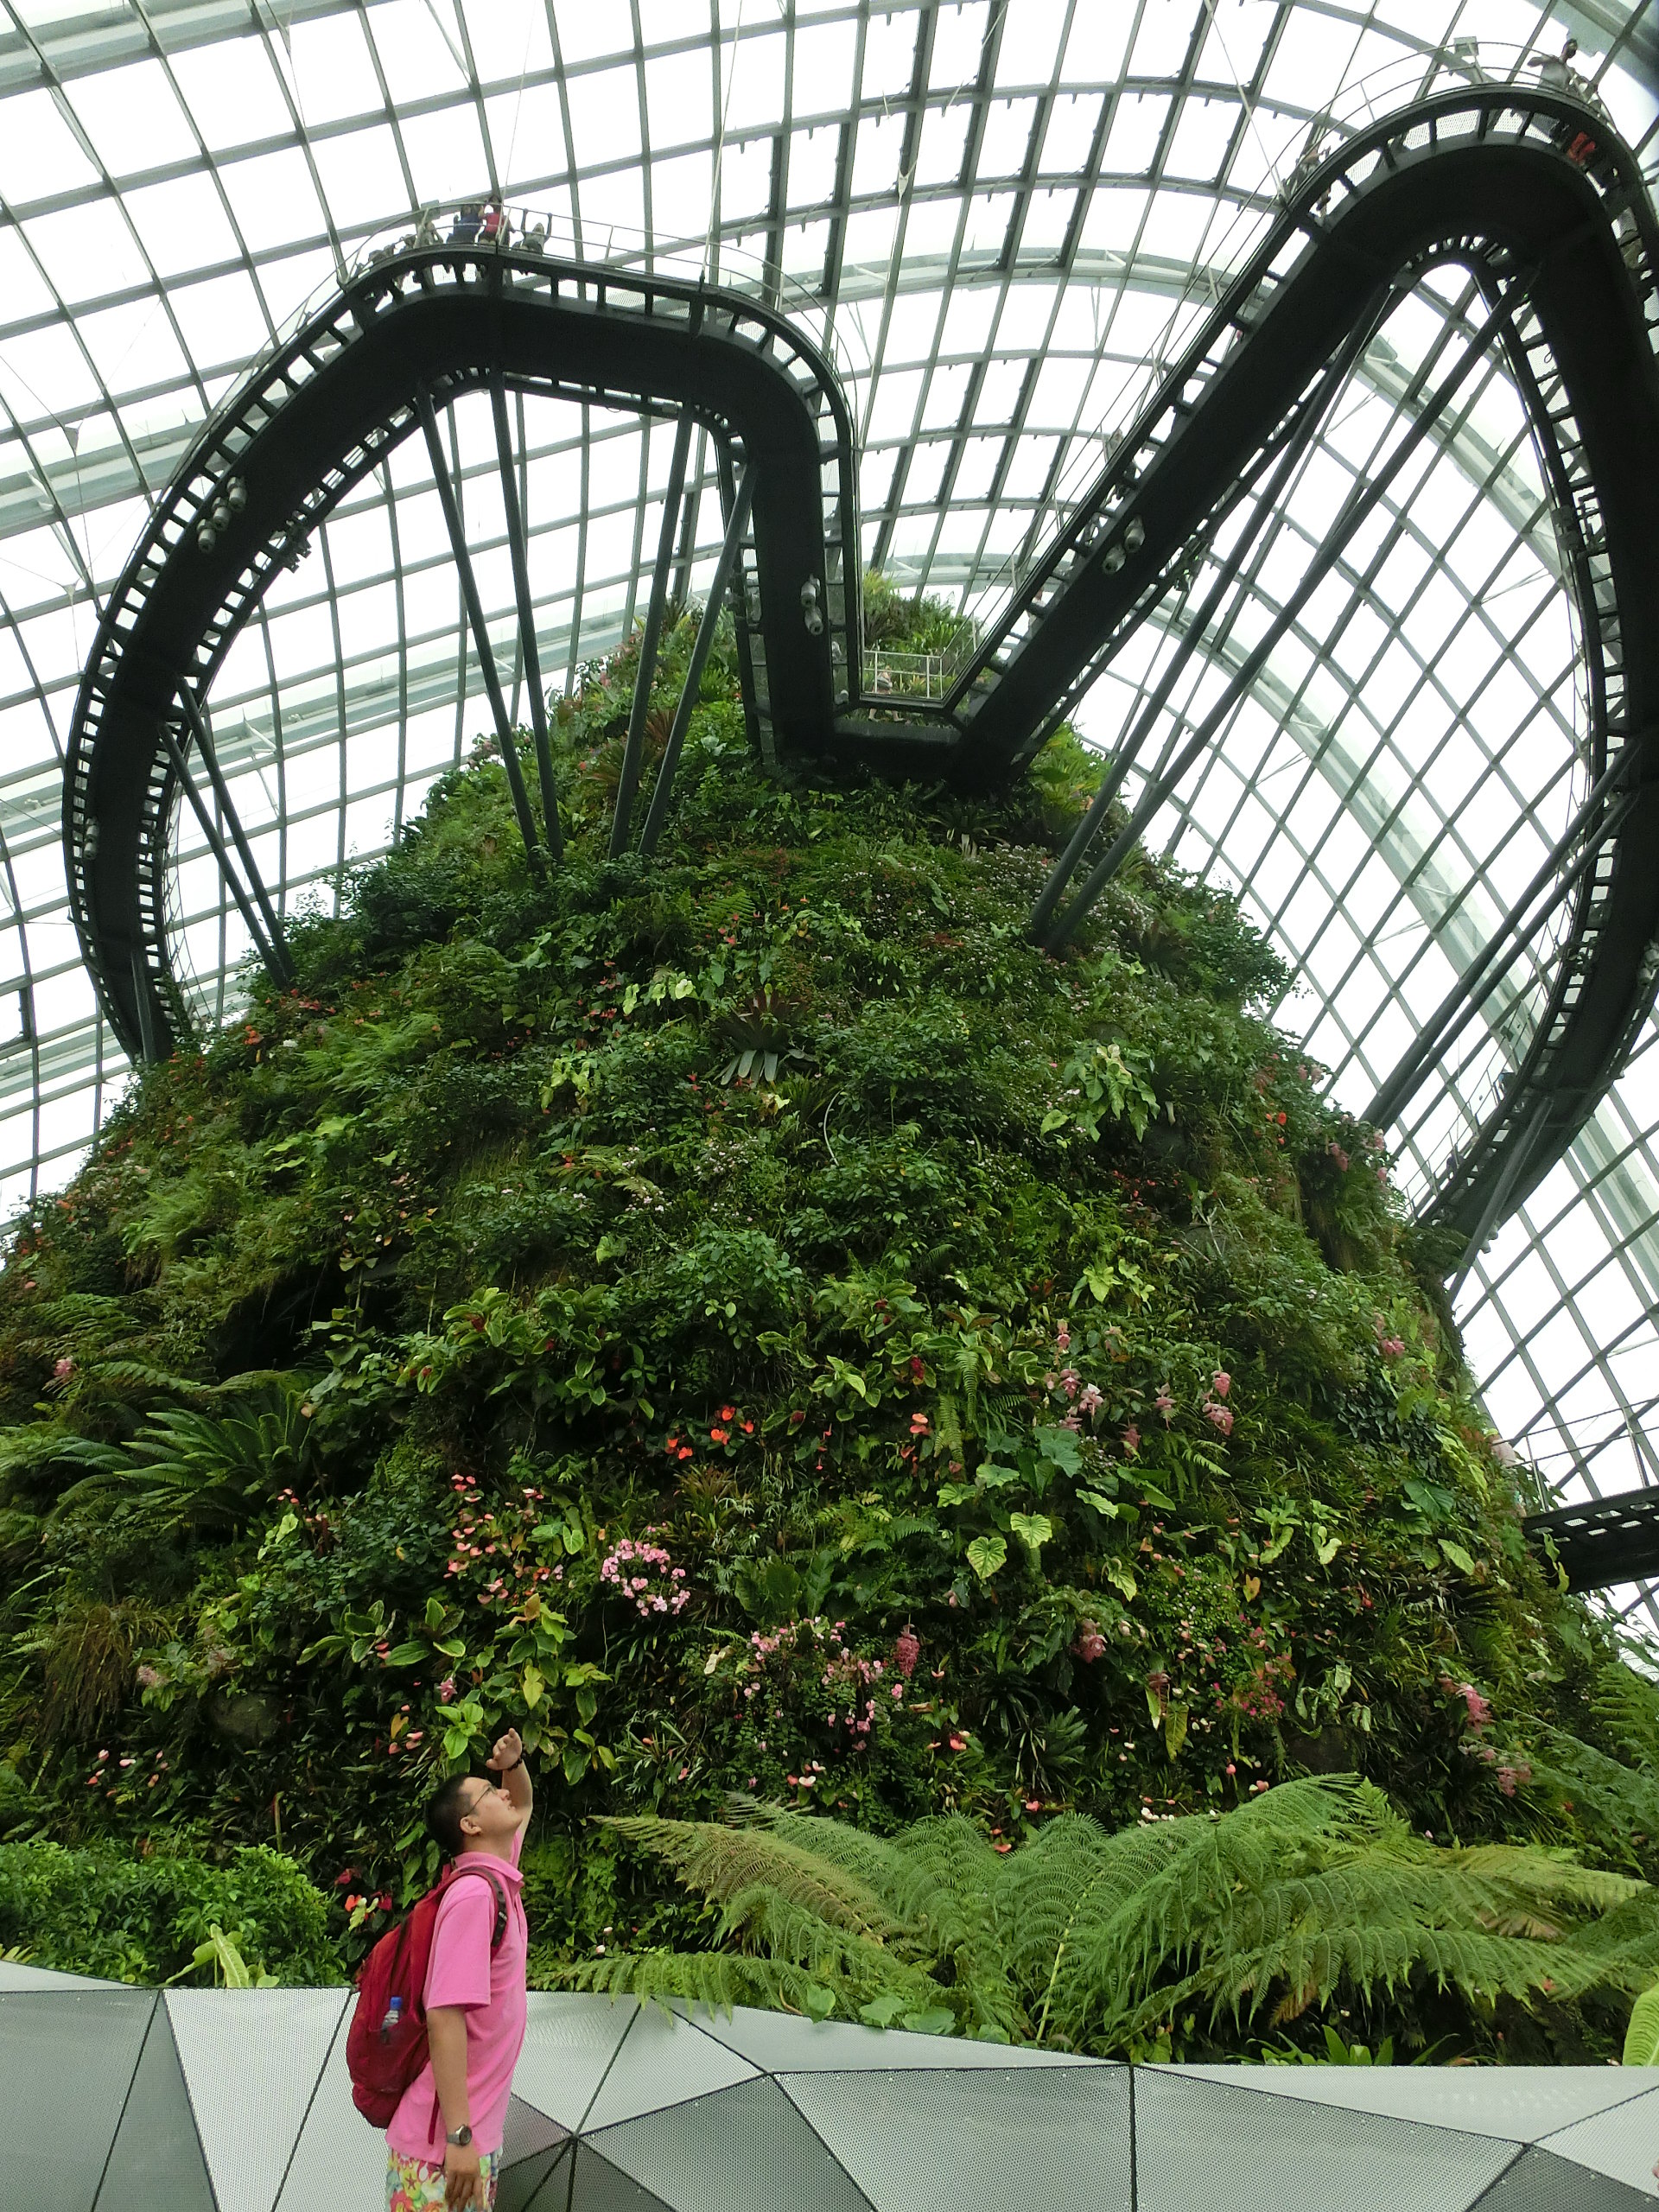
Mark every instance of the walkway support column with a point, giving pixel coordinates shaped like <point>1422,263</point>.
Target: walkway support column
<point>516,542</point>
<point>463,559</point>
<point>736,529</point>
<point>633,751</point>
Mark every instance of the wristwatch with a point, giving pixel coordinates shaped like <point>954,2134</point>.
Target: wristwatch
<point>461,2136</point>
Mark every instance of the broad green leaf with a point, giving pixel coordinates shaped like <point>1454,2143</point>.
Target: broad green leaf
<point>435,1612</point>
<point>1328,1550</point>
<point>407,1654</point>
<point>1061,1447</point>
<point>1458,1557</point>
<point>1175,1730</point>
<point>994,1478</point>
<point>533,1683</point>
<point>819,2001</point>
<point>936,2021</point>
<point>1033,1530</point>
<point>1120,1578</point>
<point>986,1555</point>
<point>1056,1118</point>
<point>955,1493</point>
<point>1105,1506</point>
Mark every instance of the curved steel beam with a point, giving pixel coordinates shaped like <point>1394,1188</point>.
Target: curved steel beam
<point>1481,176</point>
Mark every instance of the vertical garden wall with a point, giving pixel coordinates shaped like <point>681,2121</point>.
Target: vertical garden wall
<point>756,1323</point>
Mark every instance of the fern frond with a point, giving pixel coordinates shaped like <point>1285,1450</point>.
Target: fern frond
<point>716,1979</point>
<point>718,1862</point>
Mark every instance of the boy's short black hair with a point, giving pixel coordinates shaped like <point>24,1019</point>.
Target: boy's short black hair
<point>444,1810</point>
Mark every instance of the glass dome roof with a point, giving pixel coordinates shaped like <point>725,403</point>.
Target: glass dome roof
<point>1006,213</point>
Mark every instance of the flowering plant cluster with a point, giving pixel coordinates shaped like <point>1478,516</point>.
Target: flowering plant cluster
<point>492,1548</point>
<point>645,1576</point>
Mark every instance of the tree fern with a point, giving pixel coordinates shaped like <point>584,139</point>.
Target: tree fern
<point>1090,1940</point>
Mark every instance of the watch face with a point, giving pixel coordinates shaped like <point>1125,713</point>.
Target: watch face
<point>462,2138</point>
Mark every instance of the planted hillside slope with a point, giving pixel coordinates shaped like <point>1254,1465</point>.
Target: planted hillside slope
<point>758,1323</point>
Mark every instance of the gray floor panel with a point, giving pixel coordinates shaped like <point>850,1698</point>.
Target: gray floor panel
<point>67,2058</point>
<point>155,2163</point>
<point>1621,2144</point>
<point>1540,2181</point>
<point>1201,2143</point>
<point>569,2041</point>
<point>977,2140</point>
<point>1518,2103</point>
<point>663,2062</point>
<point>339,2160</point>
<point>784,2043</point>
<point>250,2062</point>
<point>745,2147</point>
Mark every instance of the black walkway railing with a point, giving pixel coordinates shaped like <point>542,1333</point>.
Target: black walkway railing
<point>1525,190</point>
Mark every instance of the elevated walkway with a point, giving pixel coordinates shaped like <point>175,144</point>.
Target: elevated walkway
<point>1496,179</point>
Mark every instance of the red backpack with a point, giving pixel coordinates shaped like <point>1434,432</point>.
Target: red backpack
<point>385,2044</point>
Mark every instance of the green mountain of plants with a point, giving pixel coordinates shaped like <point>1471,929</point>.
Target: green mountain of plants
<point>754,1321</point>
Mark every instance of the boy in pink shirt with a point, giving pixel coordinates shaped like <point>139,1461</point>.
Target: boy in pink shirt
<point>444,2142</point>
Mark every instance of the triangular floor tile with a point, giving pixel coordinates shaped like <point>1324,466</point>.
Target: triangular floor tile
<point>1621,2144</point>
<point>537,2184</point>
<point>156,2163</point>
<point>1540,2181</point>
<point>528,2133</point>
<point>569,2041</point>
<point>663,2062</point>
<point>746,2146</point>
<point>339,2158</point>
<point>1233,2149</point>
<point>978,2140</point>
<point>1517,2103</point>
<point>67,2059</point>
<point>251,2058</point>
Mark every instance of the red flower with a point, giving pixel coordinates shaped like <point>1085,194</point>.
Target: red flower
<point>721,1435</point>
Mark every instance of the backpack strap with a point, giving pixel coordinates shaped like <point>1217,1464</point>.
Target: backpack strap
<point>499,1887</point>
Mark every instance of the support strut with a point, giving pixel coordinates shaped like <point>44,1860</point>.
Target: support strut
<point>633,751</point>
<point>735,529</point>
<point>1312,414</point>
<point>205,746</point>
<point>277,965</point>
<point>526,617</point>
<point>463,560</point>
<point>1357,507</point>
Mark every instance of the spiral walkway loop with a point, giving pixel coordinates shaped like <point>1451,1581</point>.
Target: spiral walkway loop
<point>1525,189</point>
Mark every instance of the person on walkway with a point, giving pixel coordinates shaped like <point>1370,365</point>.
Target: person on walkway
<point>444,2143</point>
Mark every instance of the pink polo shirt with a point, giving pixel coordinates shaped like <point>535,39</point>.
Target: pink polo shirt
<point>462,1970</point>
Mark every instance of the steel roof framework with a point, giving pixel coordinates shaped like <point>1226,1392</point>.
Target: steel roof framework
<point>1003,202</point>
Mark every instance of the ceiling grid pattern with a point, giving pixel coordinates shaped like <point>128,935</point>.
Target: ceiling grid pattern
<point>1012,211</point>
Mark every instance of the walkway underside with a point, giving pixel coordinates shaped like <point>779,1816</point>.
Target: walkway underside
<point>1563,250</point>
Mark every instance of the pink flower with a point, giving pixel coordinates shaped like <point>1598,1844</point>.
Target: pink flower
<point>1089,1643</point>
<point>1164,1403</point>
<point>446,1689</point>
<point>148,1678</point>
<point>1221,1382</point>
<point>1090,1401</point>
<point>63,1369</point>
<point>1479,1712</point>
<point>906,1649</point>
<point>1339,1156</point>
<point>1131,1440</point>
<point>1222,1415</point>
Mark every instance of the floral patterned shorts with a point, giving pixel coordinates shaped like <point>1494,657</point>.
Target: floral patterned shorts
<point>413,2186</point>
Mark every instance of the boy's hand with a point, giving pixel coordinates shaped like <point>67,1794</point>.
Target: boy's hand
<point>508,1751</point>
<point>463,2178</point>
